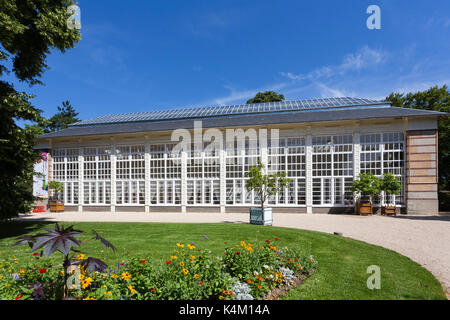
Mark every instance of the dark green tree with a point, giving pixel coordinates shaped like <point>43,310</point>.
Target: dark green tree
<point>267,96</point>
<point>61,120</point>
<point>29,29</point>
<point>434,99</point>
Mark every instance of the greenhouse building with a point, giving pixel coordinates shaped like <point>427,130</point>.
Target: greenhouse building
<point>195,160</point>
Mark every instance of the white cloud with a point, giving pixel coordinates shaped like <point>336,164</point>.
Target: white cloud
<point>366,73</point>
<point>362,59</point>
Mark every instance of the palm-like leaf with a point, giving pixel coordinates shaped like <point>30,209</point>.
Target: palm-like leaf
<point>60,238</point>
<point>92,264</point>
<point>30,240</point>
<point>105,242</point>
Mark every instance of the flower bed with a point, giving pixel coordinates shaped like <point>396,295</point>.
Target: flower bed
<point>245,271</point>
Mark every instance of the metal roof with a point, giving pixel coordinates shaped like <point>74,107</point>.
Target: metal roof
<point>257,108</point>
<point>333,114</point>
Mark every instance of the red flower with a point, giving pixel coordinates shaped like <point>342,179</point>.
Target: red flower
<point>198,250</point>
<point>268,241</point>
<point>276,238</point>
<point>154,289</point>
<point>168,261</point>
<point>43,270</point>
<point>200,283</point>
<point>35,254</point>
<point>238,253</point>
<point>122,263</point>
<point>50,266</point>
<point>143,261</point>
<point>18,297</point>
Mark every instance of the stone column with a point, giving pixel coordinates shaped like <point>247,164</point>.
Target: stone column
<point>356,159</point>
<point>223,181</point>
<point>113,175</point>
<point>80,179</point>
<point>422,172</point>
<point>309,184</point>
<point>183,181</point>
<point>147,175</point>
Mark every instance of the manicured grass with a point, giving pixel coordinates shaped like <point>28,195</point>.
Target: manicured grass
<point>342,262</point>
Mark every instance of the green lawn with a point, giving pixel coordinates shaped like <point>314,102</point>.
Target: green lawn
<point>342,262</point>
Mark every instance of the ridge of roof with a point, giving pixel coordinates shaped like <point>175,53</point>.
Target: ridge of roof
<point>215,111</point>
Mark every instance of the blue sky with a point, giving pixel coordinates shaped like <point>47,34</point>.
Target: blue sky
<point>148,55</point>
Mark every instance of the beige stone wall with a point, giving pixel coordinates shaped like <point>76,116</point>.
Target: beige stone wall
<point>421,172</point>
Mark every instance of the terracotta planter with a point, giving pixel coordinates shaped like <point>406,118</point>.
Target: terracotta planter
<point>365,208</point>
<point>56,207</point>
<point>388,210</point>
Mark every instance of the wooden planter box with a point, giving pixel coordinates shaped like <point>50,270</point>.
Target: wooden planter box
<point>389,210</point>
<point>258,216</point>
<point>365,208</point>
<point>56,207</point>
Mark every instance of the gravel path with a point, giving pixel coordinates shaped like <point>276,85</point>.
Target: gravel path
<point>424,239</point>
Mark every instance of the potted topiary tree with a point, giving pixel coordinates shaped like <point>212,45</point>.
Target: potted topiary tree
<point>366,187</point>
<point>56,201</point>
<point>264,185</point>
<point>389,185</point>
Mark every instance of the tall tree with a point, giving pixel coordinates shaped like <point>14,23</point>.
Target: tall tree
<point>436,99</point>
<point>266,96</point>
<point>61,120</point>
<point>29,29</point>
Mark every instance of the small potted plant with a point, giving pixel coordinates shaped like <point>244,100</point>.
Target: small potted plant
<point>56,201</point>
<point>366,187</point>
<point>265,186</point>
<point>389,185</point>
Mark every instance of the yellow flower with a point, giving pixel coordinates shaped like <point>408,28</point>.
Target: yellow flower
<point>114,276</point>
<point>180,245</point>
<point>108,293</point>
<point>62,272</point>
<point>22,271</point>
<point>86,282</point>
<point>181,264</point>
<point>185,271</point>
<point>190,246</point>
<point>133,291</point>
<point>243,243</point>
<point>196,276</point>
<point>80,256</point>
<point>88,298</point>
<point>173,257</point>
<point>126,276</point>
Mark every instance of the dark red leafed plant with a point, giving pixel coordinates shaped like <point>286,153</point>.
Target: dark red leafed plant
<point>65,240</point>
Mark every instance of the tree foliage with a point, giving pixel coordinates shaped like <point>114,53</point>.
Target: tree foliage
<point>66,115</point>
<point>267,96</point>
<point>434,99</point>
<point>367,185</point>
<point>265,185</point>
<point>29,29</point>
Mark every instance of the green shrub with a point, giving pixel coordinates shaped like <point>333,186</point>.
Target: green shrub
<point>188,273</point>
